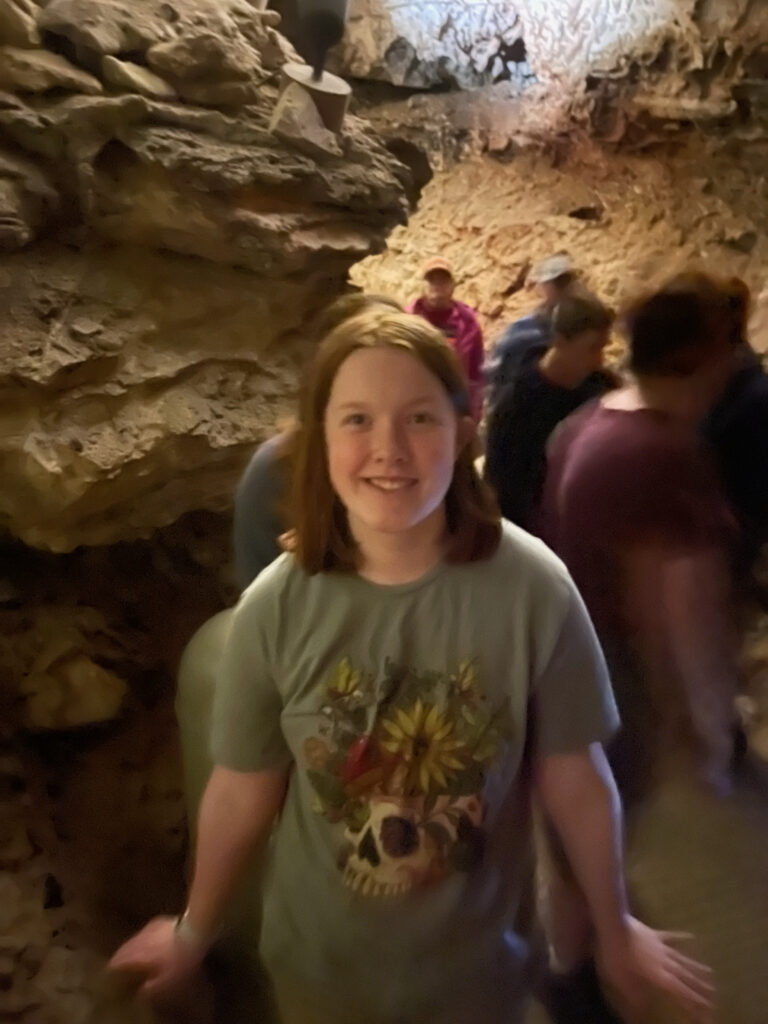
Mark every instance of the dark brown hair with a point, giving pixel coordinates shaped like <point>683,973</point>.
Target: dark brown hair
<point>739,300</point>
<point>677,329</point>
<point>580,311</point>
<point>322,541</point>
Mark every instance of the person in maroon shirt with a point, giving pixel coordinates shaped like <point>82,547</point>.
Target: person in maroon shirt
<point>457,322</point>
<point>633,506</point>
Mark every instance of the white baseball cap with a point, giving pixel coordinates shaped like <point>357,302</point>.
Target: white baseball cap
<point>552,268</point>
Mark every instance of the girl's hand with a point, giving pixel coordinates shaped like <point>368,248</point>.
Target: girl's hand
<point>160,955</point>
<point>647,963</point>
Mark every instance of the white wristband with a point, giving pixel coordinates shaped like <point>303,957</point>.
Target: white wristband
<point>190,936</point>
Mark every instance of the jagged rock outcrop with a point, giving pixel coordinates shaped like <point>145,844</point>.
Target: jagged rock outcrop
<point>667,60</point>
<point>605,60</point>
<point>423,44</point>
<point>626,218</point>
<point>166,251</point>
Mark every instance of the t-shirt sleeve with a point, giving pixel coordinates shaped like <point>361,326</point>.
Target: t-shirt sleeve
<point>572,702</point>
<point>246,733</point>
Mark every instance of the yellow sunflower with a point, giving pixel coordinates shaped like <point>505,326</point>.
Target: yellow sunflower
<point>465,680</point>
<point>345,680</point>
<point>427,744</point>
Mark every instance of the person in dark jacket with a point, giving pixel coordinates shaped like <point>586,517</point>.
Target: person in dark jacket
<point>737,429</point>
<point>568,374</point>
<point>527,338</point>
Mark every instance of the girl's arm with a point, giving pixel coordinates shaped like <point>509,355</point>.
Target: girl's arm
<point>579,797</point>
<point>236,816</point>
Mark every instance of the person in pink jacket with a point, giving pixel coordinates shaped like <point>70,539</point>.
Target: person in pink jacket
<point>457,322</point>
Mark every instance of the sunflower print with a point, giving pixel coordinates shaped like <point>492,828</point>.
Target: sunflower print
<point>399,765</point>
<point>427,743</point>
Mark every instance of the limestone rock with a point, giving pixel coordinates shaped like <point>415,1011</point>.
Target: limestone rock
<point>128,77</point>
<point>127,428</point>
<point>108,26</point>
<point>680,56</point>
<point>684,108</point>
<point>20,918</point>
<point>95,28</point>
<point>18,23</point>
<point>684,59</point>
<point>205,57</point>
<point>758,326</point>
<point>27,200</point>
<point>424,43</point>
<point>659,216</point>
<point>15,845</point>
<point>158,333</point>
<point>72,692</point>
<point>35,641</point>
<point>296,119</point>
<point>219,94</point>
<point>12,776</point>
<point>39,71</point>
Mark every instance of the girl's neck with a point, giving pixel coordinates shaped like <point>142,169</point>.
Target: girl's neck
<point>394,558</point>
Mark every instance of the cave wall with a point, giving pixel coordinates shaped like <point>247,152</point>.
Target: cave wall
<point>425,44</point>
<point>166,246</point>
<point>165,243</point>
<point>163,255</point>
<point>671,59</point>
<point>627,219</point>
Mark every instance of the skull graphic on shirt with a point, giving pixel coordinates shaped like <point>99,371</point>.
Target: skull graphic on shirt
<point>402,846</point>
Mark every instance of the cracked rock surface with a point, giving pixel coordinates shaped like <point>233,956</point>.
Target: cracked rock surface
<point>165,254</point>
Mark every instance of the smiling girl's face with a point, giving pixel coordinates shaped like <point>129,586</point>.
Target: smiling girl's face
<point>392,438</point>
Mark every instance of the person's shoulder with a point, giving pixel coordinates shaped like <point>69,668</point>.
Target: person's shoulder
<point>265,458</point>
<point>531,328</point>
<point>533,321</point>
<point>279,577</point>
<point>526,387</point>
<point>465,310</point>
<point>573,427</point>
<point>528,562</point>
<point>536,318</point>
<point>750,391</point>
<point>619,456</point>
<point>743,406</point>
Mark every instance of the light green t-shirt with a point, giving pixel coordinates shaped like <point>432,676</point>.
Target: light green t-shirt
<point>403,850</point>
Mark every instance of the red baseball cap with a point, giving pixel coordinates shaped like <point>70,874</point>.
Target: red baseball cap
<point>437,263</point>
